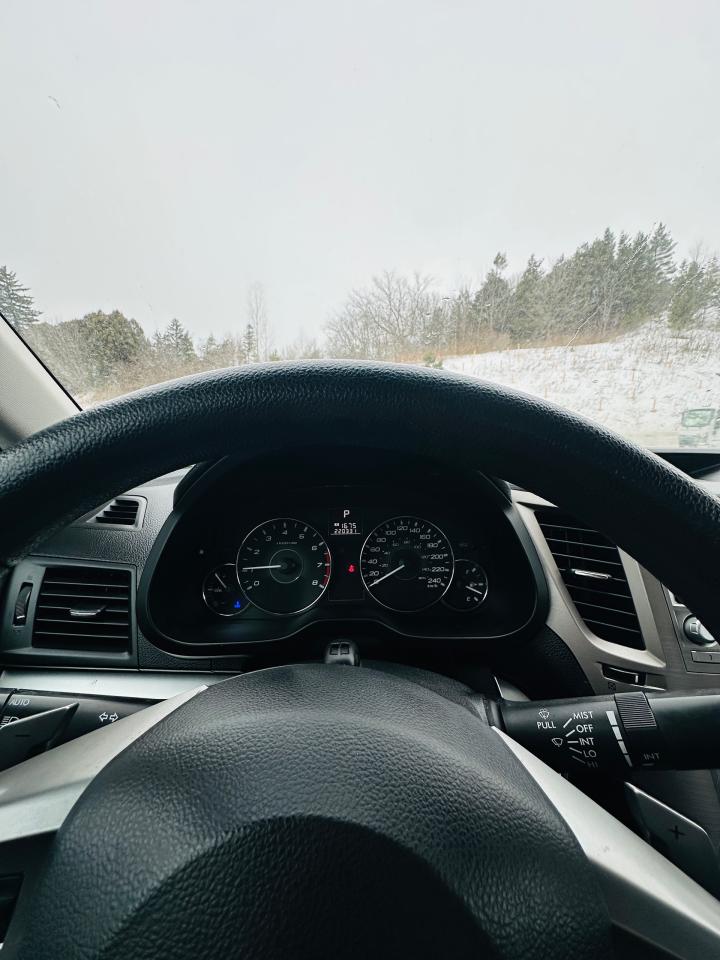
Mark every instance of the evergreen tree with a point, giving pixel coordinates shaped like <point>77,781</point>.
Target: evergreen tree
<point>250,344</point>
<point>662,249</point>
<point>563,305</point>
<point>492,301</point>
<point>112,339</point>
<point>646,266</point>
<point>597,277</point>
<point>93,352</point>
<point>175,344</point>
<point>16,303</point>
<point>527,308</point>
<point>695,294</point>
<point>228,352</point>
<point>208,348</point>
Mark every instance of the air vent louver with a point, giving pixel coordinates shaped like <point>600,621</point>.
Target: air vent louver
<point>120,512</point>
<point>592,571</point>
<point>84,608</point>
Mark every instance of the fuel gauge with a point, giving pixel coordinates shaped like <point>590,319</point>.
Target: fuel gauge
<point>469,586</point>
<point>221,591</point>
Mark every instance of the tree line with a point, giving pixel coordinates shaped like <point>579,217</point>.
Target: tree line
<point>102,354</point>
<point>608,286</point>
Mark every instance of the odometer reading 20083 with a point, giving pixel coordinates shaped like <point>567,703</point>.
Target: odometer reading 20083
<point>283,566</point>
<point>406,564</point>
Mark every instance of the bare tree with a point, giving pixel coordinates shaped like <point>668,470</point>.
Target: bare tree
<point>301,348</point>
<point>394,318</point>
<point>258,319</point>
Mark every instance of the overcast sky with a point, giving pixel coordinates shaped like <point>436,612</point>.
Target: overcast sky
<point>159,156</point>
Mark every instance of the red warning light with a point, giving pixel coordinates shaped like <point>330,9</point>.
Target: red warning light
<point>351,568</point>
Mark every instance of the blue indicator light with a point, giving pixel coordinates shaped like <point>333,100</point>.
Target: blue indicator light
<point>238,605</point>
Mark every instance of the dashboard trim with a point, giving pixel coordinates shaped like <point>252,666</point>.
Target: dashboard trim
<point>111,684</point>
<point>660,661</point>
<point>590,650</point>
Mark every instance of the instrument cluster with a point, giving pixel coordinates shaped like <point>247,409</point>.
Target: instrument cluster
<point>411,559</point>
<point>284,566</point>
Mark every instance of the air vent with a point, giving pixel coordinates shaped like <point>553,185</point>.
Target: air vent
<point>593,573</point>
<point>121,512</point>
<point>84,608</point>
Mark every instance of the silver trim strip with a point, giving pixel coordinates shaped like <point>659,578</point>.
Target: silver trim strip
<point>592,574</point>
<point>132,684</point>
<point>646,894</point>
<point>37,795</point>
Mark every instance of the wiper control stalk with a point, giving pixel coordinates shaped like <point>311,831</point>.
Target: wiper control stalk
<point>662,731</point>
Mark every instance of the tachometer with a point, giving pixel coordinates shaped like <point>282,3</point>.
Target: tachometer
<point>283,566</point>
<point>406,564</point>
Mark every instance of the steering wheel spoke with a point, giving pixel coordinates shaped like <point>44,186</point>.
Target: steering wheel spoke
<point>37,795</point>
<point>647,896</point>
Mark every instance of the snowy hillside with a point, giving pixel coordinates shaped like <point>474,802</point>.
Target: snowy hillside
<point>638,384</point>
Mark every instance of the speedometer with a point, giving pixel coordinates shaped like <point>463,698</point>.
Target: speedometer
<point>406,564</point>
<point>283,566</point>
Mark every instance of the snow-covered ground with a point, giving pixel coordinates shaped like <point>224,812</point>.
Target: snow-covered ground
<point>638,384</point>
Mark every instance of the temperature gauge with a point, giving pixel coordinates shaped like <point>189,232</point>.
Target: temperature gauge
<point>221,591</point>
<point>469,587</point>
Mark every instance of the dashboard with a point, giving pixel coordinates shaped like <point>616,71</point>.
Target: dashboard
<point>416,561</point>
<point>237,564</point>
<point>395,553</point>
<point>242,564</point>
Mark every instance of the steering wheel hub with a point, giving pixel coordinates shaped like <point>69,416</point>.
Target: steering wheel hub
<point>316,811</point>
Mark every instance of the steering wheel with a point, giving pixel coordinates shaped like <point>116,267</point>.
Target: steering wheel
<point>312,810</point>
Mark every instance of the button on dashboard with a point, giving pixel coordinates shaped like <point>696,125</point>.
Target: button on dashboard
<point>705,656</point>
<point>620,675</point>
<point>695,631</point>
<point>701,656</point>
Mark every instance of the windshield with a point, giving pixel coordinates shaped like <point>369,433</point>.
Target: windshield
<point>523,192</point>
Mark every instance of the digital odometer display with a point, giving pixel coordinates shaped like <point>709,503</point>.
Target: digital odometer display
<point>283,566</point>
<point>344,522</point>
<point>406,564</point>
